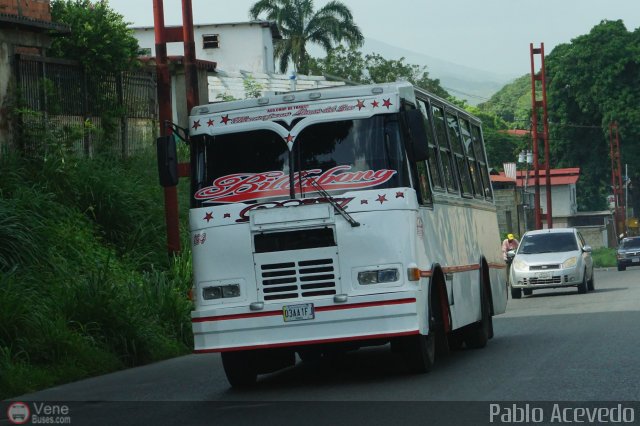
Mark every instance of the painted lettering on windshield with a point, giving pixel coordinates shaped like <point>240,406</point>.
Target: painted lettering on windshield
<point>240,187</point>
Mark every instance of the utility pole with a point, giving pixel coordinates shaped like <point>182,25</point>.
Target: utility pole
<point>164,35</point>
<point>616,179</point>
<point>535,104</point>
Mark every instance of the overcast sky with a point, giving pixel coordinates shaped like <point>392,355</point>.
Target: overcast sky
<point>493,35</point>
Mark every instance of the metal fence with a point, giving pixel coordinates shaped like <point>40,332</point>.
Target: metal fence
<point>115,112</point>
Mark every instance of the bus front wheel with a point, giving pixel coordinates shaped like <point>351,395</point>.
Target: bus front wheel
<point>240,368</point>
<point>419,352</point>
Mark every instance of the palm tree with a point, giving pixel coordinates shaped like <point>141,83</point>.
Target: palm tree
<point>299,25</point>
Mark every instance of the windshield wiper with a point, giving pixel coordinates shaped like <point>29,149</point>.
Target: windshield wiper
<point>333,202</point>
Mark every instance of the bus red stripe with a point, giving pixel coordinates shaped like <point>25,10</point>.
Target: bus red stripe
<point>317,309</point>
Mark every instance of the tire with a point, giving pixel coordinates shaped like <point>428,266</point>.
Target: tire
<point>477,335</point>
<point>621,267</point>
<point>527,291</point>
<point>591,284</point>
<point>516,293</point>
<point>420,352</point>
<point>583,286</point>
<point>240,368</point>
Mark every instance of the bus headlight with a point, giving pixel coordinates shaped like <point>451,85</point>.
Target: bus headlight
<point>222,291</point>
<point>569,262</point>
<point>378,277</point>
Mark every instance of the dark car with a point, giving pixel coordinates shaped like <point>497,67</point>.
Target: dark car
<point>628,253</point>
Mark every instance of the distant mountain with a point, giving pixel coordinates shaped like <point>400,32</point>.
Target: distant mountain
<point>473,85</point>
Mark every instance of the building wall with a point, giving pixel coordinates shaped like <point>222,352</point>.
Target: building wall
<point>506,202</point>
<point>563,199</point>
<point>595,236</point>
<point>34,9</point>
<point>243,47</point>
<point>14,41</point>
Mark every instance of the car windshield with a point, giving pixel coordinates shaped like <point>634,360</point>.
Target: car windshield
<point>548,243</point>
<point>630,243</point>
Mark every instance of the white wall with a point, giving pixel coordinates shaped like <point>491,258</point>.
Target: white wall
<point>563,199</point>
<point>244,46</point>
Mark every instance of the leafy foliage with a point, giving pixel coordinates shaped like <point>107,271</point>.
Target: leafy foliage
<point>85,285</point>
<point>349,64</point>
<point>99,39</point>
<point>594,81</point>
<point>591,82</point>
<point>512,103</point>
<point>300,25</point>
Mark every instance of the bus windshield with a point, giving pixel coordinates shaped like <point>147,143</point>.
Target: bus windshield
<point>339,156</point>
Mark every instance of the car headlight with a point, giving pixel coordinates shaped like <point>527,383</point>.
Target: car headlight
<point>378,277</point>
<point>520,265</point>
<point>570,262</point>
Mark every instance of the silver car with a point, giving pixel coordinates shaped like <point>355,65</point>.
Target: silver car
<point>551,258</point>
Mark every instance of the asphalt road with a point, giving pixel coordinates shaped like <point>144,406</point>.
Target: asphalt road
<point>556,345</point>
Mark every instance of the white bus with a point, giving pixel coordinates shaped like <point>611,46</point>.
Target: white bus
<point>323,221</point>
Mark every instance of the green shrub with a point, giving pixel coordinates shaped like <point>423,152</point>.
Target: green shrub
<point>86,286</point>
<point>604,257</point>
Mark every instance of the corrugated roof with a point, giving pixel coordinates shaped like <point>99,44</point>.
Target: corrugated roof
<point>564,176</point>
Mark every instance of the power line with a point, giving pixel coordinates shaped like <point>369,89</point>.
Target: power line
<point>464,93</point>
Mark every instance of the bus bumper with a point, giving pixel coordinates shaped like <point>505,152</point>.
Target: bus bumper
<point>360,318</point>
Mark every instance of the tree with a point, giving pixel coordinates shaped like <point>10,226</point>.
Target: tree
<point>99,39</point>
<point>349,64</point>
<point>300,25</point>
<point>593,81</point>
<point>386,70</point>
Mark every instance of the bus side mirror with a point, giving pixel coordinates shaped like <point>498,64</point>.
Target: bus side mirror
<point>167,160</point>
<point>418,134</point>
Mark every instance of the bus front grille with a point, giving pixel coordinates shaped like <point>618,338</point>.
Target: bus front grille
<point>297,279</point>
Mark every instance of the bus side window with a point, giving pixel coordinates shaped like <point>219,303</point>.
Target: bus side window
<point>446,156</point>
<point>434,164</point>
<point>453,130</point>
<point>474,168</point>
<point>478,147</point>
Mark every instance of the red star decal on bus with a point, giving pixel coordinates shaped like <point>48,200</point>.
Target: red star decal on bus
<point>382,198</point>
<point>387,103</point>
<point>225,119</point>
<point>208,216</point>
<point>289,138</point>
<point>210,123</point>
<point>399,194</point>
<point>375,104</point>
<point>364,202</point>
<point>360,105</point>
<point>196,124</point>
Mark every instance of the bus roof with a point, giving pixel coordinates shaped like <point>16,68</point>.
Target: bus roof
<point>335,92</point>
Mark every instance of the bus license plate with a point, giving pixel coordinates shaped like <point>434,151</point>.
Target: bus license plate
<point>298,312</point>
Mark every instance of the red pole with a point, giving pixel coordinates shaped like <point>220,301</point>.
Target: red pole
<point>190,71</point>
<point>165,115</point>
<point>534,137</point>
<point>545,135</point>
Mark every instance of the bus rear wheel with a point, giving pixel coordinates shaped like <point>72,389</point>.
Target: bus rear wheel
<point>240,368</point>
<point>477,335</point>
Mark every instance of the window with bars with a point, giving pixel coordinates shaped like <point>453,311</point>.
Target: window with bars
<point>210,41</point>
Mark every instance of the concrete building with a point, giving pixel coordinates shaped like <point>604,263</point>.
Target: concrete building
<point>515,206</point>
<point>25,29</point>
<point>235,46</point>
